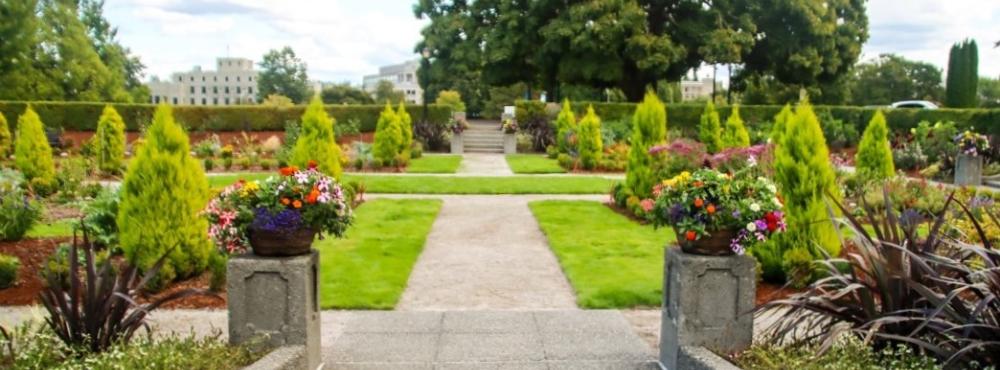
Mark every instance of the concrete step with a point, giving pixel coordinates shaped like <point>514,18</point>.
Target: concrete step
<point>484,150</point>
<point>497,134</point>
<point>486,141</point>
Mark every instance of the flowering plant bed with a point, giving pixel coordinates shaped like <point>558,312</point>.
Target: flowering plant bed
<point>707,204</point>
<point>295,205</point>
<point>972,144</point>
<point>509,126</point>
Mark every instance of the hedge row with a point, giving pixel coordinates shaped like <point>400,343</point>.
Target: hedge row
<point>685,117</point>
<point>83,116</point>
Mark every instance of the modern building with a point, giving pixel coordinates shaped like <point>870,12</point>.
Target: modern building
<point>696,89</point>
<point>233,82</point>
<point>403,77</point>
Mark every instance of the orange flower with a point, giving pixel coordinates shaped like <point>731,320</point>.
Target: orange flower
<point>710,209</point>
<point>297,204</point>
<point>690,235</point>
<point>698,184</point>
<point>313,196</point>
<point>698,202</point>
<point>285,201</point>
<point>313,164</point>
<point>288,171</point>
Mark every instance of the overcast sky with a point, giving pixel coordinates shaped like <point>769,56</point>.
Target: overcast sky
<point>342,40</point>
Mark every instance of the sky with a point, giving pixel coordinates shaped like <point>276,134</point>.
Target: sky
<point>343,40</point>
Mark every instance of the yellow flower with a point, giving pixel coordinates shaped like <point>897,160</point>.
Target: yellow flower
<point>249,188</point>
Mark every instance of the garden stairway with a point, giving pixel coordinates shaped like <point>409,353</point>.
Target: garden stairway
<point>483,137</point>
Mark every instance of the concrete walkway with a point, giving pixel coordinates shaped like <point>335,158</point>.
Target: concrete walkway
<point>484,164</point>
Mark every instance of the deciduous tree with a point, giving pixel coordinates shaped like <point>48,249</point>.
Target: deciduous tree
<point>283,73</point>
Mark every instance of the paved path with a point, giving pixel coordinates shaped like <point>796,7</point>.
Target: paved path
<point>486,253</point>
<point>484,164</point>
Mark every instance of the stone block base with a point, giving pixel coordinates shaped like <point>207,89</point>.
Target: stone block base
<point>456,144</point>
<point>509,143</point>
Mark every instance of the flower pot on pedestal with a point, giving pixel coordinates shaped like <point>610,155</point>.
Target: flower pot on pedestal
<point>456,144</point>
<point>716,244</point>
<point>282,244</point>
<point>509,143</point>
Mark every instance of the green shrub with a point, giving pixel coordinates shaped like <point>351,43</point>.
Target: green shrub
<point>217,266</point>
<point>710,129</point>
<point>227,163</point>
<point>316,141</point>
<point>8,270</point>
<point>909,157</point>
<point>781,124</point>
<point>451,99</point>
<point>565,161</point>
<point>849,353</point>
<point>56,265</point>
<point>874,157</point>
<point>838,134</point>
<point>565,127</point>
<point>162,196</point>
<point>388,137</point>
<point>99,218</point>
<point>416,150</point>
<point>6,143</point>
<point>18,212</point>
<point>590,144</point>
<point>551,152</point>
<point>406,131</point>
<point>33,156</point>
<point>734,134</point>
<point>209,164</point>
<point>937,140</point>
<point>109,142</point>
<point>245,163</point>
<point>649,129</point>
<point>72,173</point>
<point>267,164</point>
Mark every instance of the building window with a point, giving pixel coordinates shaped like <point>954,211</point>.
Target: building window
<point>202,78</point>
<point>203,90</point>
<point>237,78</point>
<point>156,99</point>
<point>175,101</point>
<point>215,101</point>
<point>227,101</point>
<point>237,89</point>
<point>227,78</point>
<point>249,90</point>
<point>409,77</point>
<point>180,79</point>
<point>192,101</point>
<point>192,78</point>
<point>204,101</point>
<point>227,89</point>
<point>250,78</point>
<point>215,78</point>
<point>192,89</point>
<point>215,89</point>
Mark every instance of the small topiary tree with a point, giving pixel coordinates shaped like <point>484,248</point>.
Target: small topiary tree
<point>589,143</point>
<point>780,124</point>
<point>316,141</point>
<point>6,142</point>
<point>162,196</point>
<point>649,128</point>
<point>710,129</point>
<point>565,126</point>
<point>109,141</point>
<point>734,134</point>
<point>874,157</point>
<point>33,155</point>
<point>388,137</point>
<point>406,129</point>
<point>452,99</point>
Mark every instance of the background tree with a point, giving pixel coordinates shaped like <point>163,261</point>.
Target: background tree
<point>891,78</point>
<point>385,92</point>
<point>126,69</point>
<point>874,157</point>
<point>453,43</point>
<point>649,128</point>
<point>452,99</point>
<point>277,100</point>
<point>109,141</point>
<point>565,127</point>
<point>76,68</point>
<point>283,73</point>
<point>317,141</point>
<point>710,129</point>
<point>961,88</point>
<point>32,153</point>
<point>23,65</point>
<point>589,143</point>
<point>989,92</point>
<point>344,93</point>
<point>734,133</point>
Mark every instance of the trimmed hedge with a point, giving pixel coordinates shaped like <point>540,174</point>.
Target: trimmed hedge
<point>83,116</point>
<point>686,116</point>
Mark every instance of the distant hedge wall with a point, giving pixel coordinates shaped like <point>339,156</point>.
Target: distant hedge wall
<point>83,116</point>
<point>685,117</point>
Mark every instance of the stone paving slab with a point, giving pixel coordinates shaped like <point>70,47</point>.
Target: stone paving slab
<point>484,164</point>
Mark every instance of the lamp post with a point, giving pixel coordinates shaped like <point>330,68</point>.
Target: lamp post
<point>422,77</point>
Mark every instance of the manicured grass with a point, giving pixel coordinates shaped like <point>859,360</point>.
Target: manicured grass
<point>369,268</point>
<point>533,163</point>
<point>435,164</point>
<point>458,185</point>
<point>55,229</point>
<point>611,261</point>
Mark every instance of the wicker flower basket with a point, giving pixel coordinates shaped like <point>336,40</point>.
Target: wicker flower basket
<point>274,244</point>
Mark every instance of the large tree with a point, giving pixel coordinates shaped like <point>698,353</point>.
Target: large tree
<point>22,74</point>
<point>77,68</point>
<point>963,75</point>
<point>453,45</point>
<point>283,73</point>
<point>344,93</point>
<point>126,69</point>
<point>891,78</point>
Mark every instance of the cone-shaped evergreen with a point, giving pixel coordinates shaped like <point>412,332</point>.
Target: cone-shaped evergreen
<point>388,136</point>
<point>874,158</point>
<point>33,155</point>
<point>162,196</point>
<point>589,142</point>
<point>649,128</point>
<point>734,134</point>
<point>109,141</point>
<point>710,129</point>
<point>406,128</point>
<point>780,124</point>
<point>316,141</point>
<point>6,142</point>
<point>962,80</point>
<point>565,125</point>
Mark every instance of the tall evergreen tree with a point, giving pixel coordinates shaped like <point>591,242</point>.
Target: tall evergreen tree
<point>874,157</point>
<point>649,128</point>
<point>32,153</point>
<point>78,70</point>
<point>710,129</point>
<point>317,140</point>
<point>406,130</point>
<point>961,89</point>
<point>589,143</point>
<point>6,141</point>
<point>109,141</point>
<point>734,133</point>
<point>565,126</point>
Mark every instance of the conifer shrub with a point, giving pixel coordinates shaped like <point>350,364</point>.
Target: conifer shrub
<point>8,270</point>
<point>33,156</point>
<point>6,142</point>
<point>109,141</point>
<point>406,131</point>
<point>734,134</point>
<point>874,157</point>
<point>781,123</point>
<point>316,141</point>
<point>649,128</point>
<point>452,99</point>
<point>590,145</point>
<point>565,127</point>
<point>162,196</point>
<point>388,137</point>
<point>710,129</point>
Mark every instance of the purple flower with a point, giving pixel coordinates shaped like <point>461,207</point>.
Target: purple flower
<point>761,224</point>
<point>736,214</point>
<point>676,212</point>
<point>286,221</point>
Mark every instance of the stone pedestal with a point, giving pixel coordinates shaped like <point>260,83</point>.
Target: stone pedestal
<point>968,170</point>
<point>275,298</point>
<point>458,116</point>
<point>509,143</point>
<point>456,144</point>
<point>706,302</point>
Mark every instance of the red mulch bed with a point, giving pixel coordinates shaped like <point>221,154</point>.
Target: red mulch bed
<point>767,292</point>
<point>76,138</point>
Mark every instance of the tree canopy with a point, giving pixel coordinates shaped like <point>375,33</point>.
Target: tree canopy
<point>891,78</point>
<point>283,73</point>
<point>344,93</point>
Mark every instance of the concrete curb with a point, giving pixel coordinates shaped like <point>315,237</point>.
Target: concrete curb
<point>700,358</point>
<point>285,357</point>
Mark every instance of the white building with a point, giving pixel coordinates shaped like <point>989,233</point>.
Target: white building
<point>403,77</point>
<point>694,90</point>
<point>233,82</point>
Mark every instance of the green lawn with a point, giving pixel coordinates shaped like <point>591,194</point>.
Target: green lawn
<point>55,229</point>
<point>533,163</point>
<point>611,261</point>
<point>458,185</point>
<point>369,268</point>
<point>435,164</point>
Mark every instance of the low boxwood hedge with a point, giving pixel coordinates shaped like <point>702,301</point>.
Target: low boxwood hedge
<point>83,116</point>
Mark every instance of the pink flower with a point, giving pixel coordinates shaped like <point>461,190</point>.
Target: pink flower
<point>647,205</point>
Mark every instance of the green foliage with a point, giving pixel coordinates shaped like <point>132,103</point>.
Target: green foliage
<point>109,142</point>
<point>649,128</point>
<point>590,144</point>
<point>458,185</point>
<point>99,218</point>
<point>734,134</point>
<point>961,86</point>
<point>388,136</point>
<point>874,157</point>
<point>452,99</point>
<point>344,93</point>
<point>848,354</point>
<point>316,141</point>
<point>162,196</point>
<point>33,156</point>
<point>937,140</point>
<point>710,129</point>
<point>283,73</point>
<point>8,270</point>
<point>406,127</point>
<point>217,266</point>
<point>6,142</point>
<point>70,177</point>
<point>386,92</point>
<point>838,134</point>
<point>565,127</point>
<point>891,78</point>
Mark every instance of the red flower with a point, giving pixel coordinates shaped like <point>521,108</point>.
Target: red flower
<point>771,226</point>
<point>288,171</point>
<point>690,235</point>
<point>771,217</point>
<point>313,164</point>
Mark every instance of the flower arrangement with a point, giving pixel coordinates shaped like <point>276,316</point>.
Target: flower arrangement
<point>706,201</point>
<point>972,144</point>
<point>458,125</point>
<point>509,126</point>
<point>282,204</point>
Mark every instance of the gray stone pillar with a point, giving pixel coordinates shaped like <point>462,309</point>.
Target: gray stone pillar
<point>968,170</point>
<point>509,143</point>
<point>706,302</point>
<point>276,297</point>
<point>456,144</point>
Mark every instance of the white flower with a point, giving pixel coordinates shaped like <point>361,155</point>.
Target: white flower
<point>754,207</point>
<point>772,188</point>
<point>752,161</point>
<point>752,227</point>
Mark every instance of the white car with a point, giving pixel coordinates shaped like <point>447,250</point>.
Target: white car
<point>919,104</point>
